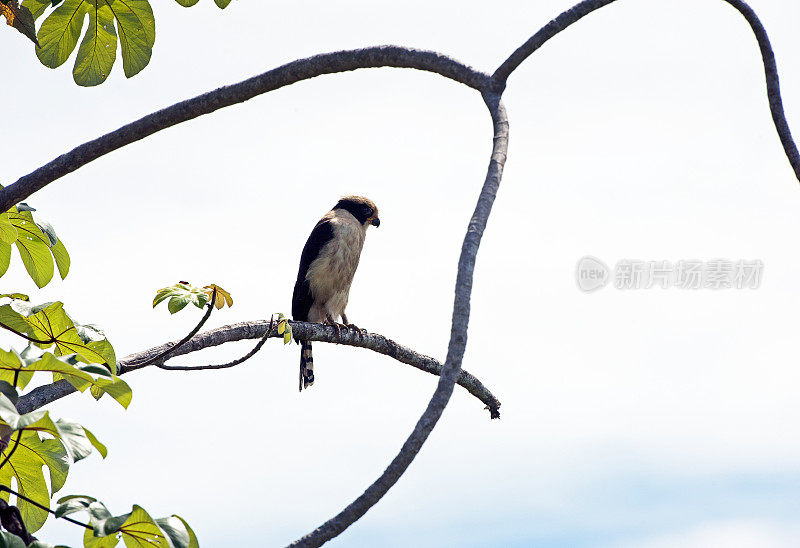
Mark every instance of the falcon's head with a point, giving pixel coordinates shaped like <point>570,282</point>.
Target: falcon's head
<point>363,209</point>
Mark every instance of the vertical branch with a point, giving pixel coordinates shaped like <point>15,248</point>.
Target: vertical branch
<point>455,352</point>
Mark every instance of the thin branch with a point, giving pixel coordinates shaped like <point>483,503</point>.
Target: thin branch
<point>24,336</point>
<point>290,73</point>
<point>577,12</point>
<point>234,363</point>
<point>43,395</point>
<point>455,351</point>
<point>43,507</point>
<point>192,333</point>
<point>565,19</point>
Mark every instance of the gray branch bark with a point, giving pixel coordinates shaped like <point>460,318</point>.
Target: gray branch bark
<point>43,395</point>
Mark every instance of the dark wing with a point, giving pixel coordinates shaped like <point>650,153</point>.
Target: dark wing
<point>302,298</point>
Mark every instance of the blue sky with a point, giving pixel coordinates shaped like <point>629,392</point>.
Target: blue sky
<point>641,418</point>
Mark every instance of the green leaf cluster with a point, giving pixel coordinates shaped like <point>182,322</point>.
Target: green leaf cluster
<point>183,293</point>
<point>129,23</point>
<point>37,244</point>
<point>81,355</point>
<point>136,528</point>
<point>65,442</point>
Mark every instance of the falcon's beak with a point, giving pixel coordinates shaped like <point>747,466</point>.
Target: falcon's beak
<point>375,222</point>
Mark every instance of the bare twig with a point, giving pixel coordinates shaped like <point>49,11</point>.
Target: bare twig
<point>233,363</point>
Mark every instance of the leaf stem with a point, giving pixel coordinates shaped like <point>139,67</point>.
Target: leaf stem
<point>24,336</point>
<point>224,365</point>
<point>43,507</point>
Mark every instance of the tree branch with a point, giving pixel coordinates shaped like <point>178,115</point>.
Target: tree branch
<point>290,73</point>
<point>577,12</point>
<point>455,352</point>
<point>43,395</point>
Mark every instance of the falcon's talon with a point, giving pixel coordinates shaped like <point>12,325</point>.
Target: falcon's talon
<point>361,332</point>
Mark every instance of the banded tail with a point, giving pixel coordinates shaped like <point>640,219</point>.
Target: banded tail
<point>306,365</point>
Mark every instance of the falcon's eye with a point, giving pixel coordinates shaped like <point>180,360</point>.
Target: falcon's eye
<point>368,211</point>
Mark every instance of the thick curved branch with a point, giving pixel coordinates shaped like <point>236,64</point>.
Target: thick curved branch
<point>565,19</point>
<point>577,12</point>
<point>290,73</point>
<point>455,351</point>
<point>43,395</point>
<point>773,84</point>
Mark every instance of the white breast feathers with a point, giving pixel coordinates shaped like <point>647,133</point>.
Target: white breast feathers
<point>331,273</point>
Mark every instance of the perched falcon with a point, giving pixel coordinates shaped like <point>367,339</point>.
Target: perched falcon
<point>327,265</point>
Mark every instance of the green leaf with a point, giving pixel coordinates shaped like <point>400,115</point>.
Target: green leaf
<point>47,229</point>
<point>187,3</point>
<point>59,33</point>
<point>116,388</point>
<point>33,246</point>
<point>36,7</point>
<point>13,319</point>
<point>71,434</point>
<point>20,296</point>
<point>178,532</point>
<point>180,295</point>
<point>176,304</point>
<point>11,365</point>
<point>10,540</point>
<point>102,449</point>
<point>137,528</point>
<point>8,234</point>
<point>53,324</point>
<point>137,33</point>
<point>26,464</point>
<point>222,4</point>
<point>5,257</point>
<point>62,258</point>
<point>98,49</point>
<point>73,503</point>
<point>9,391</point>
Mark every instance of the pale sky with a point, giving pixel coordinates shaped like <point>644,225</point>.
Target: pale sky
<point>640,418</point>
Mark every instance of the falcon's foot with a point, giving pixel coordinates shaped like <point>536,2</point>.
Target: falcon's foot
<point>337,326</point>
